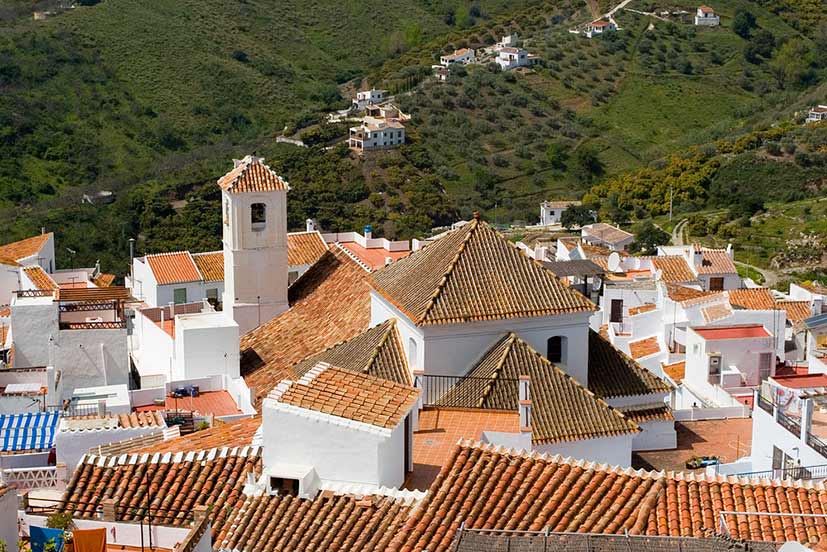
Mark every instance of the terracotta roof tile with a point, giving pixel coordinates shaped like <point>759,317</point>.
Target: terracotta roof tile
<point>487,487</point>
<point>252,175</point>
<point>562,409</point>
<point>796,310</point>
<point>649,414</point>
<point>676,370</point>
<point>24,248</point>
<point>330,303</point>
<point>377,351</point>
<point>336,523</point>
<point>111,293</point>
<point>715,312</point>
<point>173,268</point>
<point>214,478</point>
<point>680,293</point>
<point>674,269</point>
<point>606,232</point>
<point>305,248</point>
<point>473,273</point>
<point>813,287</point>
<point>238,433</point>
<point>125,421</point>
<point>644,347</point>
<point>210,265</point>
<point>716,261</point>
<point>612,373</point>
<point>646,307</point>
<point>217,403</point>
<point>104,280</point>
<point>40,278</point>
<point>752,299</point>
<point>346,394</point>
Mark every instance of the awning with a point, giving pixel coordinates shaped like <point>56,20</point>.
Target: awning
<point>30,431</point>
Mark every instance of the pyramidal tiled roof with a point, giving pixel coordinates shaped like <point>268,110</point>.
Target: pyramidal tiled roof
<point>377,351</point>
<point>15,251</point>
<point>562,409</point>
<point>251,175</point>
<point>486,487</point>
<point>472,274</point>
<point>612,373</point>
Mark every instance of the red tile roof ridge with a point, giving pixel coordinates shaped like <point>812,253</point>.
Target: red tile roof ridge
<point>110,460</point>
<point>252,182</point>
<point>703,299</point>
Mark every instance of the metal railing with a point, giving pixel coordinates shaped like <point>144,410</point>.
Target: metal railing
<point>89,306</point>
<point>469,392</point>
<point>34,292</point>
<point>803,473</point>
<point>112,325</point>
<point>790,424</point>
<point>74,409</point>
<point>817,444</point>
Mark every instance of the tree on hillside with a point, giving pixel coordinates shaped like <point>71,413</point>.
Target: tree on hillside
<point>791,65</point>
<point>587,164</point>
<point>576,216</point>
<point>760,47</point>
<point>648,237</point>
<point>557,154</point>
<point>743,23</point>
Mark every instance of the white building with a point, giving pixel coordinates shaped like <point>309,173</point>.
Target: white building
<point>714,269</point>
<point>335,426</point>
<point>508,41</point>
<point>551,212</point>
<point>463,55</point>
<point>178,277</point>
<point>14,257</point>
<point>606,235</point>
<point>511,58</point>
<point>8,517</point>
<point>441,72</point>
<point>705,16</point>
<point>600,26</point>
<point>254,205</point>
<point>817,114</point>
<point>375,134</point>
<point>367,97</point>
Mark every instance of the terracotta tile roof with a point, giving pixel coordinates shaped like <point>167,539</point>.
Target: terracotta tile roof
<point>612,373</point>
<point>111,293</point>
<point>377,351</point>
<point>716,261</point>
<point>305,248</point>
<point>4,332</point>
<point>676,370</point>
<point>5,311</point>
<point>473,273</point>
<point>374,257</point>
<point>680,293</point>
<point>650,414</point>
<point>488,487</point>
<point>210,265</point>
<point>644,347</point>
<point>24,248</point>
<point>330,303</point>
<point>674,269</point>
<point>177,482</point>
<point>238,433</point>
<point>561,204</point>
<point>132,420</point>
<point>346,394</point>
<point>562,409</point>
<point>606,232</point>
<point>331,523</point>
<point>40,278</point>
<point>252,175</point>
<point>8,261</point>
<point>796,310</point>
<point>715,312</point>
<point>752,298</point>
<point>104,280</point>
<point>646,307</point>
<point>733,332</point>
<point>173,268</point>
<point>813,287</point>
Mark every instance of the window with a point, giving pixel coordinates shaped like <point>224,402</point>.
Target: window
<point>556,349</point>
<point>616,313</point>
<point>412,353</point>
<point>764,366</point>
<point>258,216</point>
<point>179,295</point>
<point>284,487</point>
<point>716,284</point>
<point>212,297</point>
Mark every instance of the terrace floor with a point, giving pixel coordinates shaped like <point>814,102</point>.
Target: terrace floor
<point>441,429</point>
<point>727,439</point>
<point>218,403</point>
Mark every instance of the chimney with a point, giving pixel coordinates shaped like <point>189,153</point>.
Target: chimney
<point>729,250</point>
<point>368,231</point>
<point>525,404</point>
<point>310,225</point>
<point>388,260</point>
<point>109,507</point>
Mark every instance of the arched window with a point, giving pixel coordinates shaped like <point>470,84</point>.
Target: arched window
<point>556,349</point>
<point>412,353</point>
<point>258,216</point>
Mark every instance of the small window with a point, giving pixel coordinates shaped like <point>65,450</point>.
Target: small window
<point>283,486</point>
<point>258,216</point>
<point>716,284</point>
<point>179,296</point>
<point>555,351</point>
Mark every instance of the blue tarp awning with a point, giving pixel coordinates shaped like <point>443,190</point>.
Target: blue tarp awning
<point>30,431</point>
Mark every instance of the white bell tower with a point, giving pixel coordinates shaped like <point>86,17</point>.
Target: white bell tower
<point>254,212</point>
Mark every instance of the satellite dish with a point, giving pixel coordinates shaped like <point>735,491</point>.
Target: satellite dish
<point>597,283</point>
<point>614,262</point>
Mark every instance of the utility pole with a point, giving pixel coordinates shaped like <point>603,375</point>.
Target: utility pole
<point>670,203</point>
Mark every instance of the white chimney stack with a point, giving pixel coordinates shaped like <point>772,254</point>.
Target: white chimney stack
<point>310,225</point>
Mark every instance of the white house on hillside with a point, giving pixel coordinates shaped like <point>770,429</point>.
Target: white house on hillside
<point>463,55</point>
<point>511,58</point>
<point>706,16</point>
<point>817,114</point>
<point>367,97</point>
<point>607,235</point>
<point>600,26</point>
<point>551,212</point>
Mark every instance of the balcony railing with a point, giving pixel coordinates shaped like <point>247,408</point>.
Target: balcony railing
<point>31,478</point>
<point>817,444</point>
<point>111,325</point>
<point>765,404</point>
<point>790,424</point>
<point>34,293</point>
<point>469,392</point>
<point>802,473</point>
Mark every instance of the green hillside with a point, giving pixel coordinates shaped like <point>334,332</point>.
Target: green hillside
<point>153,99</point>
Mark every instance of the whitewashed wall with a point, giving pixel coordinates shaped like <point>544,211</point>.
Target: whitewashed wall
<point>615,451</point>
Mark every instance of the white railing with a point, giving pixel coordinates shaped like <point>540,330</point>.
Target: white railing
<point>31,478</point>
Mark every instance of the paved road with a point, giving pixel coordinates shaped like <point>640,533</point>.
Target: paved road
<point>677,233</point>
<point>770,276</point>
